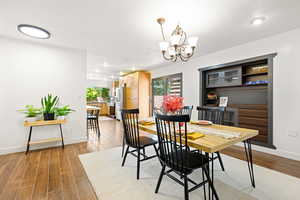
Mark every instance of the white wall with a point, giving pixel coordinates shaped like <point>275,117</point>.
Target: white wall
<point>99,83</point>
<point>29,71</point>
<point>286,83</point>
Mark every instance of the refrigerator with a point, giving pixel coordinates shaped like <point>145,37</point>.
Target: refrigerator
<point>120,101</point>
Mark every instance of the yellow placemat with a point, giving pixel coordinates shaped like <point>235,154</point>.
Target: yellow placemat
<point>195,136</point>
<point>146,123</point>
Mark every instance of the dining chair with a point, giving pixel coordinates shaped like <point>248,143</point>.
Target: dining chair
<point>134,140</point>
<point>187,110</point>
<point>175,155</point>
<point>216,116</point>
<point>93,121</point>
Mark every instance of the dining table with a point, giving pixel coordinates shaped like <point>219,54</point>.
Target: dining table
<point>215,138</point>
<point>89,108</point>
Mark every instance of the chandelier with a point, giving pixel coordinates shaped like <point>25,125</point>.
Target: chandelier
<point>180,46</point>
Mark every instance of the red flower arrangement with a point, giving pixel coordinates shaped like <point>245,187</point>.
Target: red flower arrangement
<point>172,103</point>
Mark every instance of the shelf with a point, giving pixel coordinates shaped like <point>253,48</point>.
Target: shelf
<point>261,84</point>
<point>44,123</point>
<point>256,74</point>
<point>45,141</point>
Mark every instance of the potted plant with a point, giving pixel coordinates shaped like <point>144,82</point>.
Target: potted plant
<point>62,112</point>
<point>31,113</point>
<point>48,105</point>
<point>92,94</point>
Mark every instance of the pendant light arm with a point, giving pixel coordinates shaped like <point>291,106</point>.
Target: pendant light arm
<point>162,32</point>
<point>170,58</point>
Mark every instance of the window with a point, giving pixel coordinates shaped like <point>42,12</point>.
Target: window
<point>166,85</point>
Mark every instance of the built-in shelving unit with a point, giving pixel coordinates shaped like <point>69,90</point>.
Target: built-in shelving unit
<point>249,88</point>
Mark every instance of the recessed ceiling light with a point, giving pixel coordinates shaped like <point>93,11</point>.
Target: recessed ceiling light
<point>34,31</point>
<point>258,21</point>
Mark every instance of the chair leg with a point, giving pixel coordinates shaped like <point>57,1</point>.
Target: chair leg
<point>138,164</point>
<point>204,186</point>
<point>186,188</point>
<point>160,178</point>
<point>87,128</point>
<point>144,152</point>
<point>124,159</point>
<point>156,151</point>
<point>210,184</point>
<point>220,160</point>
<point>98,127</point>
<point>123,146</point>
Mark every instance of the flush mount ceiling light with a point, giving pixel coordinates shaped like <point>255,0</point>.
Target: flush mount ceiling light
<point>258,21</point>
<point>33,31</point>
<point>180,46</point>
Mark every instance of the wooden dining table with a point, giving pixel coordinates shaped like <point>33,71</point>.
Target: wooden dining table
<point>88,108</point>
<point>215,139</point>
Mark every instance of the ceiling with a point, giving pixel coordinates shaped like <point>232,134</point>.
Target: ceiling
<point>123,34</point>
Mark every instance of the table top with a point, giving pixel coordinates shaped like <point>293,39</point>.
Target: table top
<point>92,107</point>
<point>212,141</point>
<point>44,123</point>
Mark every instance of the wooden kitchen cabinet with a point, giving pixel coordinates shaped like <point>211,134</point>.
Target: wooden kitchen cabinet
<point>137,92</point>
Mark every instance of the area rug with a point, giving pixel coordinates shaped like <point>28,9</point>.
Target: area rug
<point>113,182</point>
<point>104,118</point>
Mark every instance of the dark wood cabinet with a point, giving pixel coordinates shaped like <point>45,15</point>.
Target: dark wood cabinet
<point>248,84</point>
<point>224,77</point>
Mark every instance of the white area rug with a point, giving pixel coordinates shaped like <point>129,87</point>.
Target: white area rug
<point>113,182</point>
<point>104,118</point>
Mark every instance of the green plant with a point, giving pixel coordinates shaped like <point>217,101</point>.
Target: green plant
<point>49,103</point>
<point>105,93</point>
<point>63,111</point>
<point>31,111</point>
<point>92,94</point>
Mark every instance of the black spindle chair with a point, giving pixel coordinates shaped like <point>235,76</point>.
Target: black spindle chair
<point>134,140</point>
<point>175,154</point>
<point>215,115</point>
<point>187,110</point>
<point>93,121</point>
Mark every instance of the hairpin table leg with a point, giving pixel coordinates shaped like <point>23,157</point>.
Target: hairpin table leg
<point>248,151</point>
<point>29,138</point>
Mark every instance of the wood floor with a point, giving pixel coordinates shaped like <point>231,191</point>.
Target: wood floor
<point>56,173</point>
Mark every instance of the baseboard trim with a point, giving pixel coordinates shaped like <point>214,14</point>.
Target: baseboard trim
<point>276,152</point>
<point>40,146</point>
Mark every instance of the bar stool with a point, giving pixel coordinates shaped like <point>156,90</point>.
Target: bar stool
<point>93,121</point>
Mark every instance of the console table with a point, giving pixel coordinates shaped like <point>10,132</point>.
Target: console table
<point>44,123</point>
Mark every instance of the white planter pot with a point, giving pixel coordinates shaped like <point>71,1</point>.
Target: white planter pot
<point>61,117</point>
<point>30,119</point>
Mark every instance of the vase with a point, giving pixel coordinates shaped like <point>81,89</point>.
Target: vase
<point>48,116</point>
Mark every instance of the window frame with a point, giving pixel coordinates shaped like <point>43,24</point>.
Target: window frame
<point>165,78</point>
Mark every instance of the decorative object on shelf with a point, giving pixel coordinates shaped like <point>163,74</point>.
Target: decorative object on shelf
<point>172,104</point>
<point>258,82</point>
<point>212,95</point>
<point>180,46</point>
<point>48,105</point>
<point>32,113</point>
<point>223,101</point>
<point>62,112</point>
<point>257,69</point>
